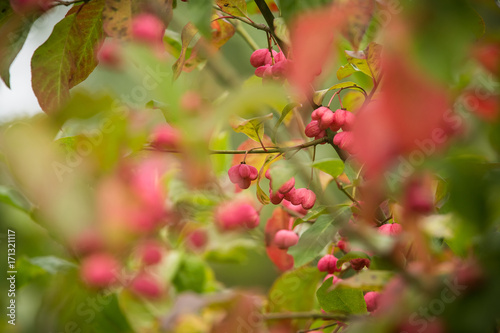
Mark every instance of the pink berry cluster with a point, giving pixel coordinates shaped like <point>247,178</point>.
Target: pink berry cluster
<point>297,196</point>
<point>242,175</point>
<point>269,64</point>
<point>99,269</point>
<point>236,215</point>
<point>323,118</point>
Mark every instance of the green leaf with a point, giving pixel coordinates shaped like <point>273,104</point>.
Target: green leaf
<point>320,94</point>
<point>294,290</point>
<point>13,198</point>
<point>368,280</point>
<point>332,166</point>
<point>14,30</point>
<point>262,196</point>
<point>312,214</point>
<point>68,56</point>
<point>315,239</point>
<point>52,265</point>
<point>281,30</point>
<point>199,15</point>
<point>352,255</point>
<point>187,35</point>
<point>284,113</point>
<point>281,172</point>
<point>253,127</point>
<point>341,299</point>
<point>233,7</point>
<point>191,275</point>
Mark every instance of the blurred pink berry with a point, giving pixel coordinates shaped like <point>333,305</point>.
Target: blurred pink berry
<point>197,238</point>
<point>335,279</point>
<point>296,208</point>
<point>147,28</point>
<point>344,245</point>
<point>391,229</point>
<point>308,199</point>
<point>261,70</point>
<point>236,215</point>
<point>145,285</point>
<point>419,197</point>
<point>360,263</point>
<point>87,241</point>
<point>285,238</point>
<point>328,264</point>
<point>191,101</point>
<point>280,69</point>
<point>344,119</point>
<point>150,252</point>
<point>288,186</point>
<point>371,299</point>
<point>165,137</point>
<point>345,141</point>
<point>242,175</point>
<point>99,270</point>
<point>110,54</point>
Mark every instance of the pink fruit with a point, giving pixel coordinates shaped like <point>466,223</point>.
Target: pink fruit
<point>197,238</point>
<point>236,215</point>
<point>285,238</point>
<point>308,199</point>
<point>87,241</point>
<point>275,197</point>
<point>371,299</point>
<point>150,252</point>
<point>146,285</point>
<point>335,279</point>
<point>288,186</point>
<point>326,120</point>
<point>419,197</point>
<point>301,196</point>
<point>344,245</point>
<point>393,229</point>
<point>318,113</point>
<point>295,208</point>
<point>191,101</point>
<point>110,54</point>
<point>312,129</point>
<point>147,28</point>
<point>99,270</point>
<point>280,69</point>
<point>165,137</point>
<point>261,70</point>
<point>242,175</point>
<point>24,7</point>
<point>328,264</point>
<point>360,263</point>
<point>344,119</point>
<point>293,197</point>
<point>258,57</point>
<point>345,141</point>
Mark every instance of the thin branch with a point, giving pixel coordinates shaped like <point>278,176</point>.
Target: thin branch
<point>269,17</point>
<point>242,19</point>
<point>256,151</point>
<point>317,328</point>
<point>246,37</point>
<point>304,315</point>
<point>341,188</point>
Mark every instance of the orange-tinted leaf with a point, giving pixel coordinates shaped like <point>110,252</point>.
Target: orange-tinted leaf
<point>116,18</point>
<point>187,35</point>
<point>233,7</point>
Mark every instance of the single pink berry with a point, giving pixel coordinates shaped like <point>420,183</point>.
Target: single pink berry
<point>280,69</point>
<point>371,299</point>
<point>294,197</point>
<point>287,187</point>
<point>335,279</point>
<point>86,242</point>
<point>318,113</point>
<point>110,55</point>
<point>285,239</point>
<point>360,263</point>
<point>326,120</point>
<point>99,270</point>
<point>261,69</point>
<point>275,197</point>
<point>328,264</point>
<point>165,137</point>
<point>191,101</point>
<point>344,245</point>
<point>419,197</point>
<point>312,129</point>
<point>344,119</point>
<point>147,28</point>
<point>308,199</point>
<point>145,285</point>
<point>197,239</point>
<point>345,141</point>
<point>242,175</point>
<point>150,252</point>
<point>392,229</point>
<point>258,57</point>
<point>236,215</point>
<point>295,208</point>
